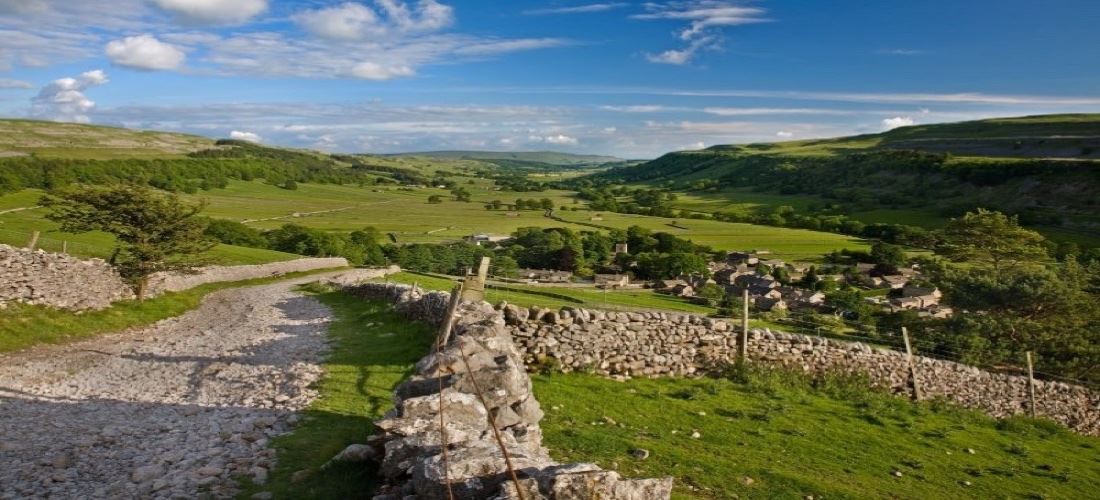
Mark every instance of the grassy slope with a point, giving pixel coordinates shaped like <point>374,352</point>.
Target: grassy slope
<point>16,227</point>
<point>366,363</point>
<point>1041,136</point>
<point>71,140</point>
<point>22,326</point>
<point>788,437</point>
<point>793,440</point>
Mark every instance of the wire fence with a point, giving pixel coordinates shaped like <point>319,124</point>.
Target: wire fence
<point>872,335</point>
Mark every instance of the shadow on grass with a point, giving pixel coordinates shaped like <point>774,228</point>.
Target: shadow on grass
<point>373,350</point>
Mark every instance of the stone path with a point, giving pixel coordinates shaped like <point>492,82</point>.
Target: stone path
<point>175,410</point>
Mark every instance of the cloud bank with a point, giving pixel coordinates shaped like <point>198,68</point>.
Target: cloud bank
<point>64,98</point>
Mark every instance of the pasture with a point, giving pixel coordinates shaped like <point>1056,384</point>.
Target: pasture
<point>17,226</point>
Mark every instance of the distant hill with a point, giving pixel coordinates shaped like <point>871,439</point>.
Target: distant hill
<point>544,157</point>
<point>73,140</point>
<point>1046,169</point>
<point>1042,136</point>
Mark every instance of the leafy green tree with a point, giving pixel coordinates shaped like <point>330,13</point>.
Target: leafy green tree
<point>154,232</point>
<point>461,194</point>
<point>992,239</point>
<point>710,294</point>
<point>886,257</point>
<point>232,232</point>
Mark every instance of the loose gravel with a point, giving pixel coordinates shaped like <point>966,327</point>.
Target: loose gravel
<point>175,410</point>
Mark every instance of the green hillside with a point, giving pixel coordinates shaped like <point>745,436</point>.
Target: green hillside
<point>1043,136</point>
<point>73,140</point>
<point>1041,168</point>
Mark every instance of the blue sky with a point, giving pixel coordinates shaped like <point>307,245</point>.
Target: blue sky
<point>634,79</point>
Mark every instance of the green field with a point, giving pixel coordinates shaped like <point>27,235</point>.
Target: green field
<point>412,219</point>
<point>762,433</point>
<point>408,215</point>
<point>784,243</point>
<point>774,435</point>
<point>16,229</point>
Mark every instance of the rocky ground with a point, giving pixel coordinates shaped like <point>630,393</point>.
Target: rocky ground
<point>175,410</point>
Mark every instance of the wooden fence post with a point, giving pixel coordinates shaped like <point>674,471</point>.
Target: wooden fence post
<point>912,367</point>
<point>1031,383</point>
<point>64,246</point>
<point>33,241</point>
<point>743,346</point>
<point>445,326</point>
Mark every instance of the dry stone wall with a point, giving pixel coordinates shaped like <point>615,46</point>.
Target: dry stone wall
<point>58,280</point>
<point>655,344</point>
<point>162,283</point>
<point>482,374</point>
<point>66,282</point>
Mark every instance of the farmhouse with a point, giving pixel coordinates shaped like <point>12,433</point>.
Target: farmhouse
<point>612,280</point>
<point>480,238</point>
<point>545,275</point>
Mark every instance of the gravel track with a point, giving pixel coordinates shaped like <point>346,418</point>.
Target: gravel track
<point>174,410</point>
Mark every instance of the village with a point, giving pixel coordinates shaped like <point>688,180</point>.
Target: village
<point>774,285</point>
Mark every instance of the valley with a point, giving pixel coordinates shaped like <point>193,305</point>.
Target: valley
<point>816,249</point>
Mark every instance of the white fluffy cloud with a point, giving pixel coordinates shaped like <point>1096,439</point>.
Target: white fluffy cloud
<point>897,121</point>
<point>376,71</point>
<point>783,134</point>
<point>145,52</point>
<point>245,136</point>
<point>355,21</point>
<point>64,98</point>
<point>685,55</point>
<point>213,11</point>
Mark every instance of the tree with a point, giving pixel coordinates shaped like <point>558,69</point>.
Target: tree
<point>992,239</point>
<point>435,199</point>
<point>710,294</point>
<point>291,185</point>
<point>154,232</point>
<point>461,194</point>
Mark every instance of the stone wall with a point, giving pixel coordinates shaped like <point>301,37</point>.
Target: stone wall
<point>58,280</point>
<point>162,283</point>
<point>481,374</point>
<point>67,282</point>
<point>654,344</point>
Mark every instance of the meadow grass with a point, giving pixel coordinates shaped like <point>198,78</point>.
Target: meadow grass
<point>16,228</point>
<point>374,349</point>
<point>773,434</point>
<point>789,435</point>
<point>23,325</point>
<point>411,219</point>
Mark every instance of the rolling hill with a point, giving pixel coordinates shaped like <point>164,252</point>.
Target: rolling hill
<point>1046,169</point>
<point>73,140</point>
